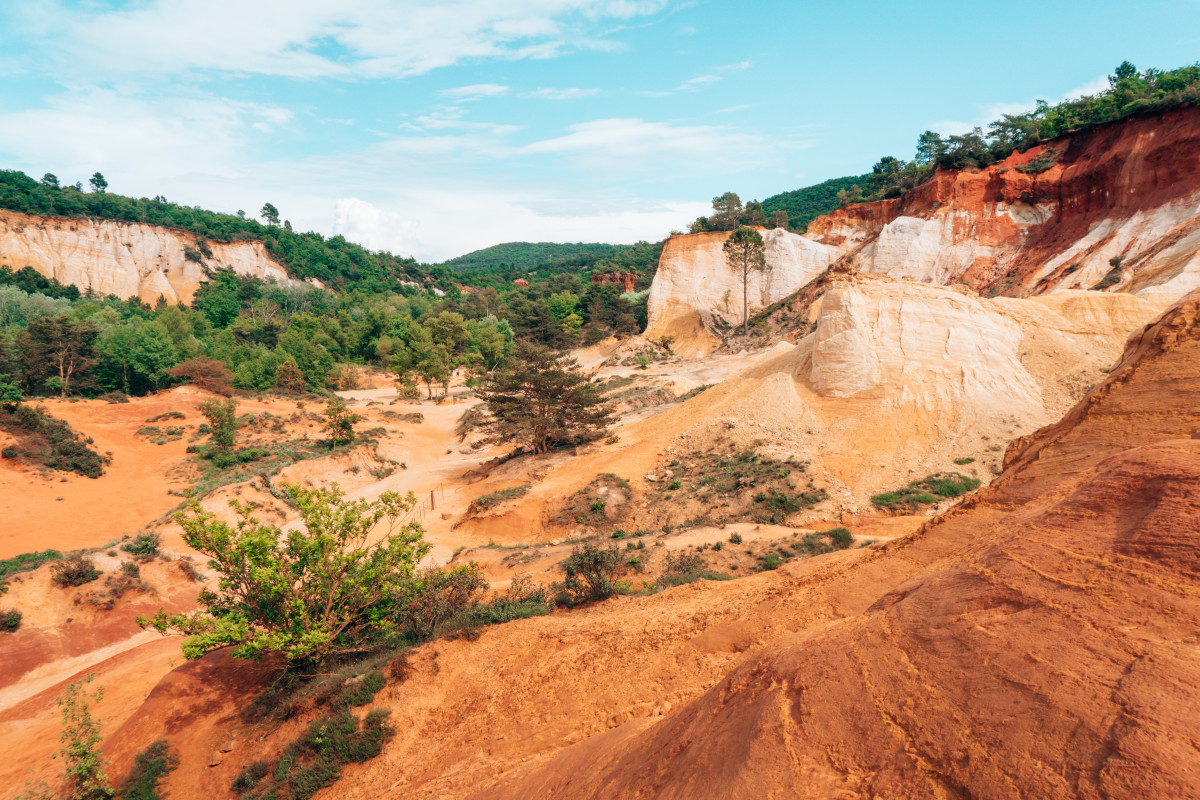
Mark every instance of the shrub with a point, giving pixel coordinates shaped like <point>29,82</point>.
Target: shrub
<point>114,397</point>
<point>131,569</point>
<point>440,596</point>
<point>74,570</point>
<point>735,538</point>
<point>349,583</point>
<point>143,546</point>
<point>64,449</point>
<point>826,542</point>
<point>314,760</point>
<point>931,489</point>
<point>771,561</point>
<point>10,620</point>
<point>85,764</point>
<point>590,574</point>
<point>361,690</point>
<point>149,768</point>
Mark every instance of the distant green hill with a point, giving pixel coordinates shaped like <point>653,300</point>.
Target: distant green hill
<point>805,205</point>
<point>530,255</point>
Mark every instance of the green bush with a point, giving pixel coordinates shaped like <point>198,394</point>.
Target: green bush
<point>314,760</point>
<point>735,538</point>
<point>929,490</point>
<point>74,570</point>
<point>149,768</point>
<point>10,620</point>
<point>591,573</point>
<point>143,546</point>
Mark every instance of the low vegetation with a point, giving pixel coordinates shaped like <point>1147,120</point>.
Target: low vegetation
<point>927,491</point>
<point>493,499</point>
<point>149,768</point>
<point>74,570</point>
<point>46,441</point>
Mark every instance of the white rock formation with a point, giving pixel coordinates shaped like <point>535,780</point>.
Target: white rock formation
<point>125,259</point>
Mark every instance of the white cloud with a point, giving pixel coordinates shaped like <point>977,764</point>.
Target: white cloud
<point>994,111</point>
<point>747,64</point>
<point>1092,87</point>
<point>629,145</point>
<point>560,94</point>
<point>474,92</point>
<point>432,229</point>
<point>315,38</point>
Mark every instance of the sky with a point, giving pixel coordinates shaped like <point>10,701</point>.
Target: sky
<point>432,129</point>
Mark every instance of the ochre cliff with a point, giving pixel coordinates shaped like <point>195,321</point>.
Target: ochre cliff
<point>121,258</point>
<point>1129,190</point>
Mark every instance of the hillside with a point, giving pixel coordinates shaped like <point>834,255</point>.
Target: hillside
<point>804,205</point>
<point>531,255</point>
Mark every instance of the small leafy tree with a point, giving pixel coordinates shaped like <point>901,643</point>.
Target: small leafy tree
<point>542,400</point>
<point>205,373</point>
<point>744,252</point>
<point>98,183</point>
<point>339,422</point>
<point>85,765</point>
<point>222,422</point>
<point>270,213</point>
<point>326,588</point>
<point>289,379</point>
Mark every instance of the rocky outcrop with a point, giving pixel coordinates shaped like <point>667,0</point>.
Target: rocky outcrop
<point>125,259</point>
<point>1127,191</point>
<point>695,294</point>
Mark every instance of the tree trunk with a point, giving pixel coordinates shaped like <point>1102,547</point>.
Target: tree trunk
<point>745,301</point>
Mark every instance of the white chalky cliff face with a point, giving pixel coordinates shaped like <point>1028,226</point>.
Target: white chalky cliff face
<point>125,259</point>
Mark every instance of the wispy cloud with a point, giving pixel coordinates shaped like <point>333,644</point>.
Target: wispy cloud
<point>993,111</point>
<point>315,38</point>
<point>573,93</point>
<point>474,92</point>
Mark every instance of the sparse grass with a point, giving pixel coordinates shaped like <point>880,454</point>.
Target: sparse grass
<point>26,562</point>
<point>929,490</point>
<point>494,499</point>
<point>149,768</point>
<point>964,461</point>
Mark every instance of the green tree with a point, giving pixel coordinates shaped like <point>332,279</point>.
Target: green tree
<point>85,764</point>
<point>222,422</point>
<point>339,422</point>
<point>779,219</point>
<point>541,400</point>
<point>270,213</point>
<point>745,255</point>
<point>10,395</point>
<point>727,212</point>
<point>153,353</point>
<point>331,586</point>
<point>57,347</point>
<point>289,379</point>
<point>50,180</point>
<point>98,184</point>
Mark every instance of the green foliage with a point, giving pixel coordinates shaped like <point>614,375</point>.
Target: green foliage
<point>804,205</point>
<point>26,562</point>
<point>222,422</point>
<point>149,768</point>
<point>931,489</point>
<point>745,254</point>
<point>143,546</point>
<point>735,538</point>
<point>10,620</point>
<point>85,764</point>
<point>1113,276</point>
<point>531,255</point>
<point>74,570</point>
<point>339,422</point>
<point>816,544</point>
<point>50,442</point>
<point>496,498</point>
<point>314,760</point>
<point>326,587</point>
<point>541,401</point>
<point>590,573</point>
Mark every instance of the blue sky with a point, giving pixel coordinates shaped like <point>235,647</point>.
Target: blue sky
<point>432,129</point>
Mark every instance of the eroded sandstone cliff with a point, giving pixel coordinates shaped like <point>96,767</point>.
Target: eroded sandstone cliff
<point>125,259</point>
<point>1127,191</point>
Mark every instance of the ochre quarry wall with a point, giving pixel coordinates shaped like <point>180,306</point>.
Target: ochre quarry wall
<point>1130,190</point>
<point>122,258</point>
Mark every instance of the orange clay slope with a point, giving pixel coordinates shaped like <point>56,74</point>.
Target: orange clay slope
<point>1039,641</point>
